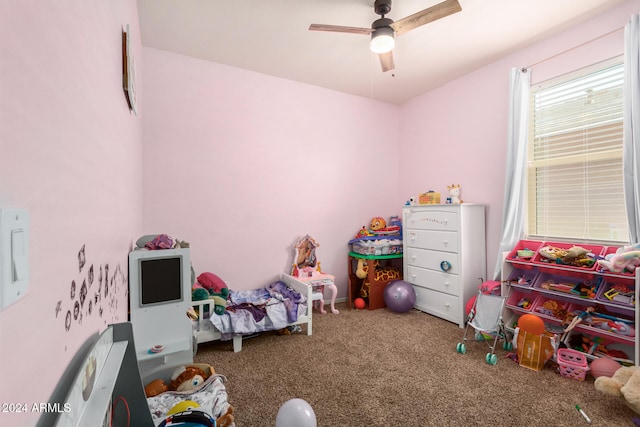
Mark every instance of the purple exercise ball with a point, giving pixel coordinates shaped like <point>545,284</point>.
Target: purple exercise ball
<point>399,296</point>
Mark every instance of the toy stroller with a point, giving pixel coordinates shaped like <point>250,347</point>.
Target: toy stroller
<point>486,318</point>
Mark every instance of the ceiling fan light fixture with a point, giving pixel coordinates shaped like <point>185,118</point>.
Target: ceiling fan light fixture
<point>382,40</point>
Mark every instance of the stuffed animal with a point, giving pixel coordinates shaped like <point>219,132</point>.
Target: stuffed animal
<point>624,383</point>
<point>377,223</point>
<point>454,194</point>
<point>185,378</point>
<point>217,288</point>
<point>626,259</point>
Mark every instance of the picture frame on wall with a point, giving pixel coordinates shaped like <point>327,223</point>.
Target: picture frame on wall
<point>128,71</point>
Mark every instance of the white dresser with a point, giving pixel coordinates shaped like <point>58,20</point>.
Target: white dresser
<point>444,256</point>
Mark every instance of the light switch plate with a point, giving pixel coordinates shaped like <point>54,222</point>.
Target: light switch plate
<point>14,255</point>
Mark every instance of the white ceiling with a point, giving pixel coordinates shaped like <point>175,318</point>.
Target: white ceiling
<point>272,37</point>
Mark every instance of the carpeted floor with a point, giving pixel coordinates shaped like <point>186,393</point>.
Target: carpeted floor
<point>380,368</point>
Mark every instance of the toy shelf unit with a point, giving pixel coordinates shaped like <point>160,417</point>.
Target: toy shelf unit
<point>444,256</point>
<point>379,271</point>
<point>562,289</point>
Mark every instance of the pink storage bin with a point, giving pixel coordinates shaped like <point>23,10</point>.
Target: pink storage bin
<point>569,286</point>
<point>523,301</point>
<point>524,262</point>
<point>618,291</point>
<point>573,364</point>
<point>608,250</point>
<point>550,308</point>
<point>618,322</point>
<point>540,260</point>
<point>522,277</point>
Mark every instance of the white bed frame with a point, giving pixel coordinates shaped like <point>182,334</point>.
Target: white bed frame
<point>204,331</point>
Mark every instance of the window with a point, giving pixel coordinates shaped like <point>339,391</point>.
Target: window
<point>575,182</point>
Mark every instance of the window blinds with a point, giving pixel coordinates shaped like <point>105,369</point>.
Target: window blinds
<point>575,188</point>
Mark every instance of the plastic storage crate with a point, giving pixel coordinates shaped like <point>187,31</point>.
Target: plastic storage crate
<point>611,250</point>
<point>522,278</point>
<point>618,291</point>
<point>542,261</point>
<point>573,364</point>
<point>377,245</point>
<point>523,253</point>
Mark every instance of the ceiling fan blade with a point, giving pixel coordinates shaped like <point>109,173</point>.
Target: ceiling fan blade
<point>340,29</point>
<point>386,61</point>
<point>440,10</point>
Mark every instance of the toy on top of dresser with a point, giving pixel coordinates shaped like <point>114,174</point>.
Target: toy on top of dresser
<point>454,194</point>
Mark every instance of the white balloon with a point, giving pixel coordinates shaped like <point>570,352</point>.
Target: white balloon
<point>296,413</point>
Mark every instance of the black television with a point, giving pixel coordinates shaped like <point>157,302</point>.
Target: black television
<point>158,275</point>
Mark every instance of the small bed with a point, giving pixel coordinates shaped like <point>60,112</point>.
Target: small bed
<point>284,303</point>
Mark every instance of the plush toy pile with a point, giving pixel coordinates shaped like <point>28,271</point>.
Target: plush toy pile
<point>194,388</point>
<point>624,260</point>
<point>210,286</point>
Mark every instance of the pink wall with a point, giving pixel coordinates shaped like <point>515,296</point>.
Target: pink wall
<point>71,154</point>
<point>457,133</point>
<point>242,165</point>
<point>237,163</point>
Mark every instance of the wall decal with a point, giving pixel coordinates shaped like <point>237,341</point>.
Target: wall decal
<point>81,259</point>
<point>67,321</point>
<point>84,302</point>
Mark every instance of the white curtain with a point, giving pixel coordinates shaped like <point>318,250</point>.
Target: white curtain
<point>631,135</point>
<point>513,213</point>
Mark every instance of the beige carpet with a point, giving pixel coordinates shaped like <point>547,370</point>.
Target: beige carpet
<point>380,368</point>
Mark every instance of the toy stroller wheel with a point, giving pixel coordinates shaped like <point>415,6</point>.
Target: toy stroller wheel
<point>507,345</point>
<point>492,359</point>
<point>461,348</point>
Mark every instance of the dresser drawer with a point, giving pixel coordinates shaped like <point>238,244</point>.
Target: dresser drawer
<point>436,280</point>
<point>442,305</point>
<point>432,220</point>
<point>433,260</point>
<point>430,239</point>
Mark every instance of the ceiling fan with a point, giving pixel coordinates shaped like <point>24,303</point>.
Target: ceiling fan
<point>383,30</point>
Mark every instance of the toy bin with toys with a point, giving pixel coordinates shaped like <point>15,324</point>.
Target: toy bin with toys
<point>579,257</point>
<point>618,291</point>
<point>551,309</point>
<point>522,278</point>
<point>570,285</point>
<point>376,245</point>
<point>523,253</point>
<point>521,301</point>
<point>620,260</point>
<point>194,387</point>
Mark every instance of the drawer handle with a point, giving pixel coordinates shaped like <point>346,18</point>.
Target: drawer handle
<point>447,305</point>
<point>445,266</point>
<point>445,242</point>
